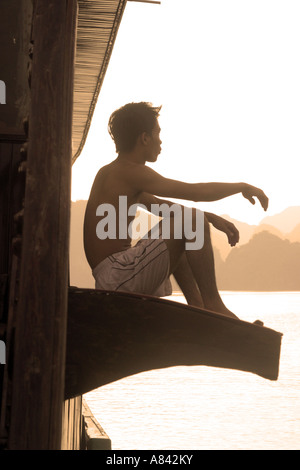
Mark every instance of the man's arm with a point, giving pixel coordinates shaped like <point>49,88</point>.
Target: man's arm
<point>150,201</point>
<point>144,179</point>
<point>224,226</point>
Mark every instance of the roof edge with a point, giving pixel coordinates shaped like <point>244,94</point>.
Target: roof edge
<point>104,66</point>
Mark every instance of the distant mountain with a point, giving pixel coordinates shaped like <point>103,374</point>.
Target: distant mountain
<point>268,228</point>
<point>219,239</point>
<point>285,221</point>
<point>285,225</point>
<point>80,272</point>
<point>266,263</point>
<point>294,235</point>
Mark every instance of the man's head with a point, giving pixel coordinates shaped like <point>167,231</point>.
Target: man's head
<point>130,122</point>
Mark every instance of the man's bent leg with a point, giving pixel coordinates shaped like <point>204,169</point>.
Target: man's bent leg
<point>186,281</point>
<point>202,266</point>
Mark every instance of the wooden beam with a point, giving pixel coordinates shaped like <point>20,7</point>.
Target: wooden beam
<point>39,363</point>
<point>145,1</point>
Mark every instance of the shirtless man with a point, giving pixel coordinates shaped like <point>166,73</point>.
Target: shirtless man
<point>146,267</point>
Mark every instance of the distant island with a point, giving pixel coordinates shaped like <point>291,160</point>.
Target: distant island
<point>267,257</point>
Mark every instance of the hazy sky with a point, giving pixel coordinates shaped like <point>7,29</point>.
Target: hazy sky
<point>227,73</point>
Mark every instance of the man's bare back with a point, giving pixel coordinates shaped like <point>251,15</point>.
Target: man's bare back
<point>109,184</point>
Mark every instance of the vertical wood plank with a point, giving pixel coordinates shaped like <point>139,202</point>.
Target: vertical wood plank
<point>38,381</point>
<point>72,430</point>
<point>5,177</point>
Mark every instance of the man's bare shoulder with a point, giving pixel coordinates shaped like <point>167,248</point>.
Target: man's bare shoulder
<point>112,180</point>
<point>125,172</point>
<point>107,174</point>
<point>131,179</point>
<point>116,168</point>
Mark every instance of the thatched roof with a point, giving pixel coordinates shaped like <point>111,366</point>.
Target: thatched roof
<point>98,23</point>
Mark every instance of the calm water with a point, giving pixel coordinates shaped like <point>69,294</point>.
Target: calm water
<point>206,408</point>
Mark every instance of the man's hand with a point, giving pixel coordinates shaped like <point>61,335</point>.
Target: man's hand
<point>251,191</point>
<point>224,226</point>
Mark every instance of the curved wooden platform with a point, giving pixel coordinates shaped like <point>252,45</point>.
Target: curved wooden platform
<point>112,335</point>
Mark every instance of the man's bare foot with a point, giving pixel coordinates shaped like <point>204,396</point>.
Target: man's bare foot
<point>228,313</point>
<point>196,303</point>
<point>220,308</point>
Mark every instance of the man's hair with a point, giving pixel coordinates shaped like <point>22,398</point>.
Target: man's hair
<point>128,122</point>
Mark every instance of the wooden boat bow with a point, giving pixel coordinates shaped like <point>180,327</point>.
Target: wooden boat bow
<point>112,335</point>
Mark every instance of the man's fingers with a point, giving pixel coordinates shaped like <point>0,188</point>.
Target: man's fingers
<point>251,199</point>
<point>233,235</point>
<point>264,202</point>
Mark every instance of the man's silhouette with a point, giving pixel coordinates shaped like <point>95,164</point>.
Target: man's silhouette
<point>146,267</point>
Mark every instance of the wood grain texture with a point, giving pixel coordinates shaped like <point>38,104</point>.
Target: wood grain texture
<point>39,362</point>
<point>112,335</point>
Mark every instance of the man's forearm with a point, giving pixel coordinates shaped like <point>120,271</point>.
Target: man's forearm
<point>224,226</point>
<point>213,218</point>
<point>215,191</point>
<point>209,216</point>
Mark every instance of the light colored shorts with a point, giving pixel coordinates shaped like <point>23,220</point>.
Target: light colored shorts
<point>143,269</point>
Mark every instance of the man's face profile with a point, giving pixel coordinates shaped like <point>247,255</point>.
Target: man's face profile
<point>154,144</point>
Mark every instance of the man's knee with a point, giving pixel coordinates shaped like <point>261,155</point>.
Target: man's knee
<point>206,232</point>
<point>190,226</point>
<point>206,225</point>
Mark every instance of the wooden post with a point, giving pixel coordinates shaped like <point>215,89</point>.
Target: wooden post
<point>39,363</point>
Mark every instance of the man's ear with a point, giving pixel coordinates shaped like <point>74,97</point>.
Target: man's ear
<point>144,137</point>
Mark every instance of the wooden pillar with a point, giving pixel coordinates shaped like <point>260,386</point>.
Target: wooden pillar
<point>39,363</point>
